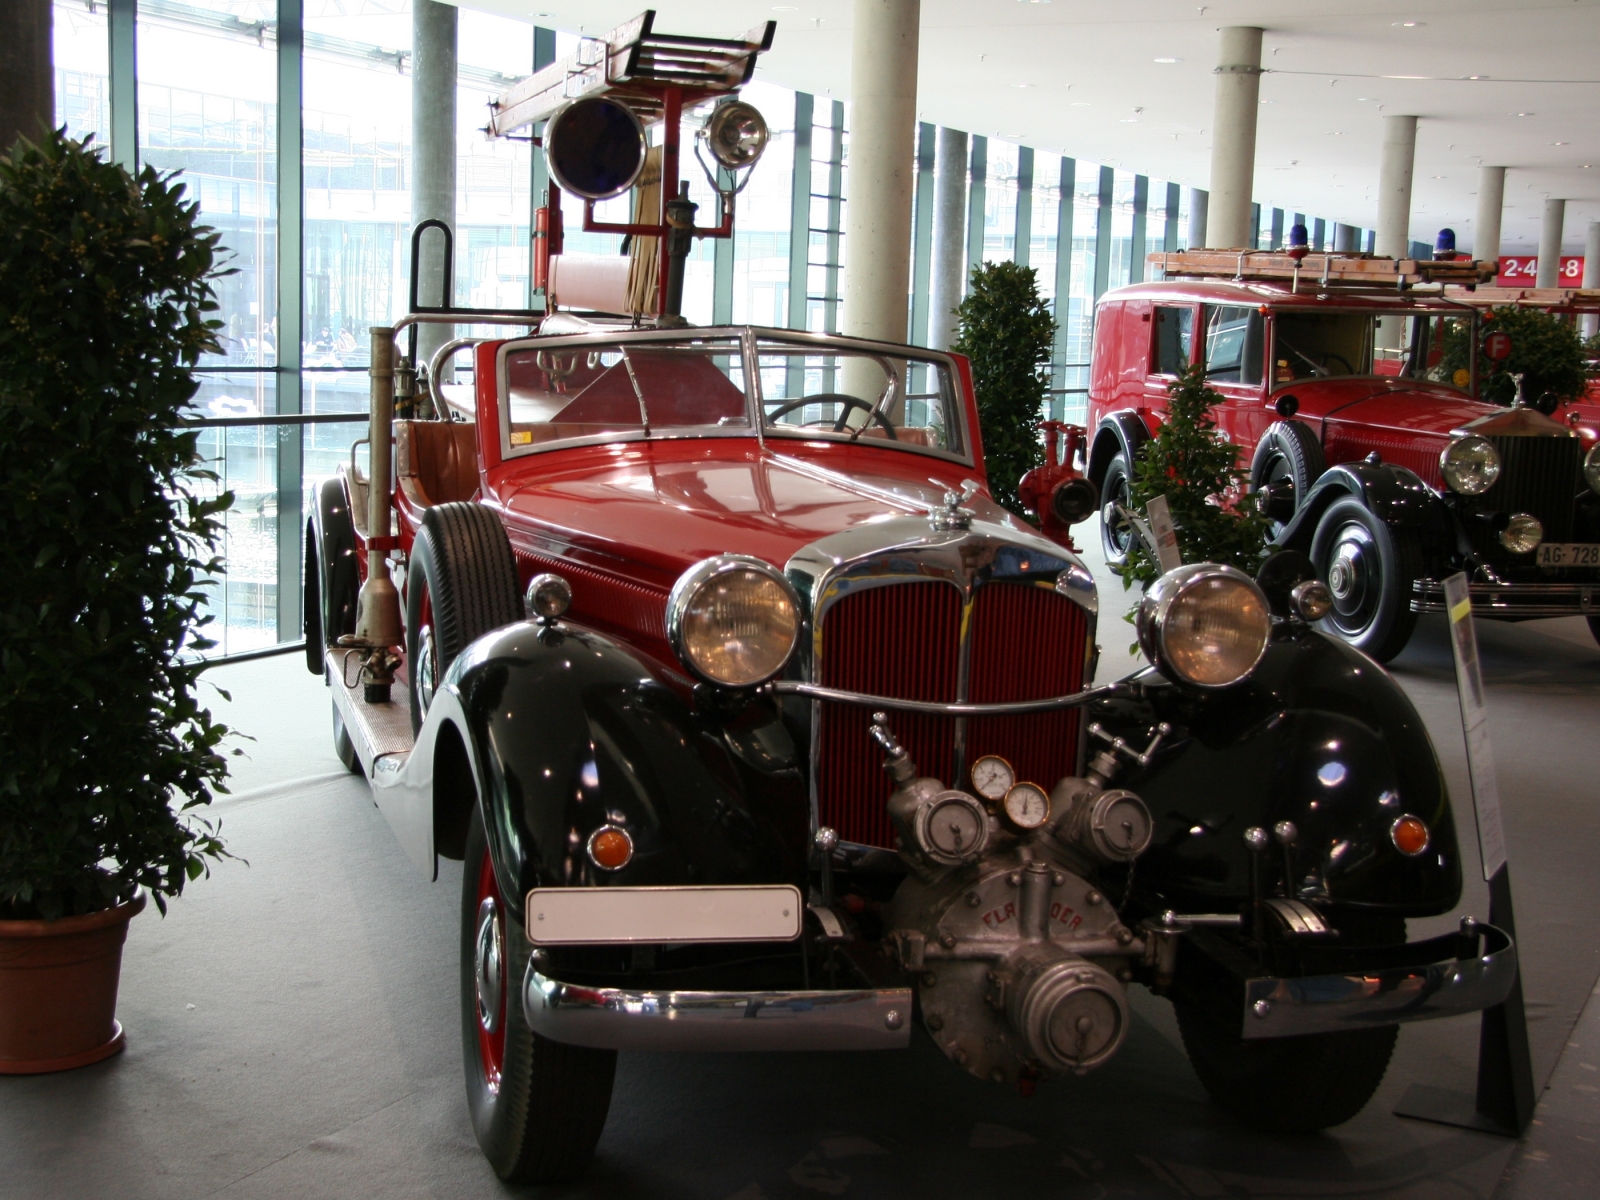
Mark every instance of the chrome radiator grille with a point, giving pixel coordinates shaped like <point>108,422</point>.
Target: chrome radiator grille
<point>904,640</point>
<point>1539,475</point>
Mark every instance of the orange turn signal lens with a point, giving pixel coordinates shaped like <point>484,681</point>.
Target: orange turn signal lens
<point>610,848</point>
<point>1410,835</point>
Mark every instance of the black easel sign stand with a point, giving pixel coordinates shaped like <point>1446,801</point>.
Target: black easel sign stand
<point>1505,1099</point>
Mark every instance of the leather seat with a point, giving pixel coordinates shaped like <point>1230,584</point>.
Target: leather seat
<point>436,461</point>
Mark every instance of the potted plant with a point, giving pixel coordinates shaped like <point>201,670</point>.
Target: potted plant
<point>110,535</point>
<point>1006,330</point>
<point>1198,472</point>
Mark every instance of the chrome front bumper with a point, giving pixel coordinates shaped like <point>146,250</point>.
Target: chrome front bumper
<point>1513,599</point>
<point>1275,1008</point>
<point>620,1019</point>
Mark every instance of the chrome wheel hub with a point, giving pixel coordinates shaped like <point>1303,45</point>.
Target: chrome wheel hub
<point>427,673</point>
<point>489,965</point>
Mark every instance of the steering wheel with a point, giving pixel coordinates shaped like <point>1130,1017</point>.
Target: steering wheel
<point>1332,356</point>
<point>849,402</point>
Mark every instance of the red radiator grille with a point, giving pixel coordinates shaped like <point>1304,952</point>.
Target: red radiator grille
<point>900,640</point>
<point>1027,643</point>
<point>903,640</point>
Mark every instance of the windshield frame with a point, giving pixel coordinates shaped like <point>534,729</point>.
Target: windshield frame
<point>747,339</point>
<point>1447,308</point>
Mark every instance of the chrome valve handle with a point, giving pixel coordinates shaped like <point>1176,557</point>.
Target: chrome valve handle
<point>1120,746</point>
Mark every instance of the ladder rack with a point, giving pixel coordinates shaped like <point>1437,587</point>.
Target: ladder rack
<point>634,64</point>
<point>1583,300</point>
<point>1319,267</point>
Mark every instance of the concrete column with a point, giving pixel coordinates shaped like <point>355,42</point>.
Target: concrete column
<point>28,99</point>
<point>1491,202</point>
<point>1394,187</point>
<point>1591,275</point>
<point>883,126</point>
<point>1233,135</point>
<point>949,237</point>
<point>433,153</point>
<point>1199,206</point>
<point>1555,217</point>
<point>1345,240</point>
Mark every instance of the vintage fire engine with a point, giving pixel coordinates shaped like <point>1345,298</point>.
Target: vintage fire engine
<point>1390,475</point>
<point>758,725</point>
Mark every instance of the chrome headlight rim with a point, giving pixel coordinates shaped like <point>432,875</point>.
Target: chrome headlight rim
<point>1522,534</point>
<point>1449,468</point>
<point>690,584</point>
<point>1156,607</point>
<point>1591,468</point>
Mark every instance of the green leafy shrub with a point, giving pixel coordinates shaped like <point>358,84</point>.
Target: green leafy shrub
<point>1007,331</point>
<point>1546,349</point>
<point>1198,473</point>
<point>108,538</point>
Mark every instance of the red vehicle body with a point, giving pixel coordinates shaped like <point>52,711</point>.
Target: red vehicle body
<point>1330,422</point>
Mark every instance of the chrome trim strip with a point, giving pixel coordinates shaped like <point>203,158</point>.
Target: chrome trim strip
<point>623,1019</point>
<point>1275,1008</point>
<point>790,687</point>
<point>1513,599</point>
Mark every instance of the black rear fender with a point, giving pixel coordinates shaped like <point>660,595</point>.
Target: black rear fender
<point>567,730</point>
<point>339,578</point>
<point>1320,736</point>
<point>1118,433</point>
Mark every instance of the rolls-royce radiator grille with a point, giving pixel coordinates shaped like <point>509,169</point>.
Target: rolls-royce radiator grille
<point>1539,475</point>
<point>903,640</point>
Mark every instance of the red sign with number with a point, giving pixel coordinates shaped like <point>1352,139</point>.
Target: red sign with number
<point>1522,270</point>
<point>1497,347</point>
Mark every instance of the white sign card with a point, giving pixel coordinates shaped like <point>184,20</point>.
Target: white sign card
<point>1475,724</point>
<point>1164,534</point>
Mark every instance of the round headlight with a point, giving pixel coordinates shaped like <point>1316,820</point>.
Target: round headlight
<point>1470,465</point>
<point>1591,467</point>
<point>737,134</point>
<point>1522,533</point>
<point>733,620</point>
<point>1204,625</point>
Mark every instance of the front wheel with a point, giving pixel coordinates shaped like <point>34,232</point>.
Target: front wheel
<point>1287,1085</point>
<point>1370,568</point>
<point>1116,535</point>
<point>537,1106</point>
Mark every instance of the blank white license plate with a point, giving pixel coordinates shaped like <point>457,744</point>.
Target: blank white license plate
<point>1569,554</point>
<point>589,916</point>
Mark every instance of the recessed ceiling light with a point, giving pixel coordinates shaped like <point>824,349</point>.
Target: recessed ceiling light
<point>1407,24</point>
<point>1480,76</point>
<point>1169,60</point>
<point>1022,85</point>
<point>1558,143</point>
<point>1335,133</point>
<point>1079,104</point>
<point>785,8</point>
<point>1522,114</point>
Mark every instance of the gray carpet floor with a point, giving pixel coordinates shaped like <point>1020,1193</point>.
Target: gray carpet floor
<point>292,1022</point>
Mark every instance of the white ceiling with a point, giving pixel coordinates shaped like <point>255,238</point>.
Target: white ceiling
<point>1080,77</point>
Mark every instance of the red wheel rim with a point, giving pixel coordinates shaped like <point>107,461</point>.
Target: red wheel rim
<point>491,1028</point>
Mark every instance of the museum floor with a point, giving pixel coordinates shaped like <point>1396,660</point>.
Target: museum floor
<point>292,1026</point>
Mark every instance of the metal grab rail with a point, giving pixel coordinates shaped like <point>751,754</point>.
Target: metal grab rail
<point>275,419</point>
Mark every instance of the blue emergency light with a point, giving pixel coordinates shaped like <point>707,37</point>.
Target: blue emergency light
<point>1444,246</point>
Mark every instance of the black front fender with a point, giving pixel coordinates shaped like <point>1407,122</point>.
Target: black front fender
<point>1320,736</point>
<point>1395,495</point>
<point>569,731</point>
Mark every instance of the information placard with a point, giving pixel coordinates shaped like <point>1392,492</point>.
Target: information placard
<point>1475,724</point>
<point>1164,534</point>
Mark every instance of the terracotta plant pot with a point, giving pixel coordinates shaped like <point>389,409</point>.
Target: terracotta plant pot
<point>58,990</point>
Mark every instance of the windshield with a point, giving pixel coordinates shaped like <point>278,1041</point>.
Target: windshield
<point>599,389</point>
<point>1330,345</point>
<point>587,390</point>
<point>807,391</point>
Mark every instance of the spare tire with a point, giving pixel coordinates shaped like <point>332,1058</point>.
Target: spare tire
<point>1288,460</point>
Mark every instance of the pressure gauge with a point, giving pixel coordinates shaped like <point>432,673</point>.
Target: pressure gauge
<point>1027,805</point>
<point>992,776</point>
